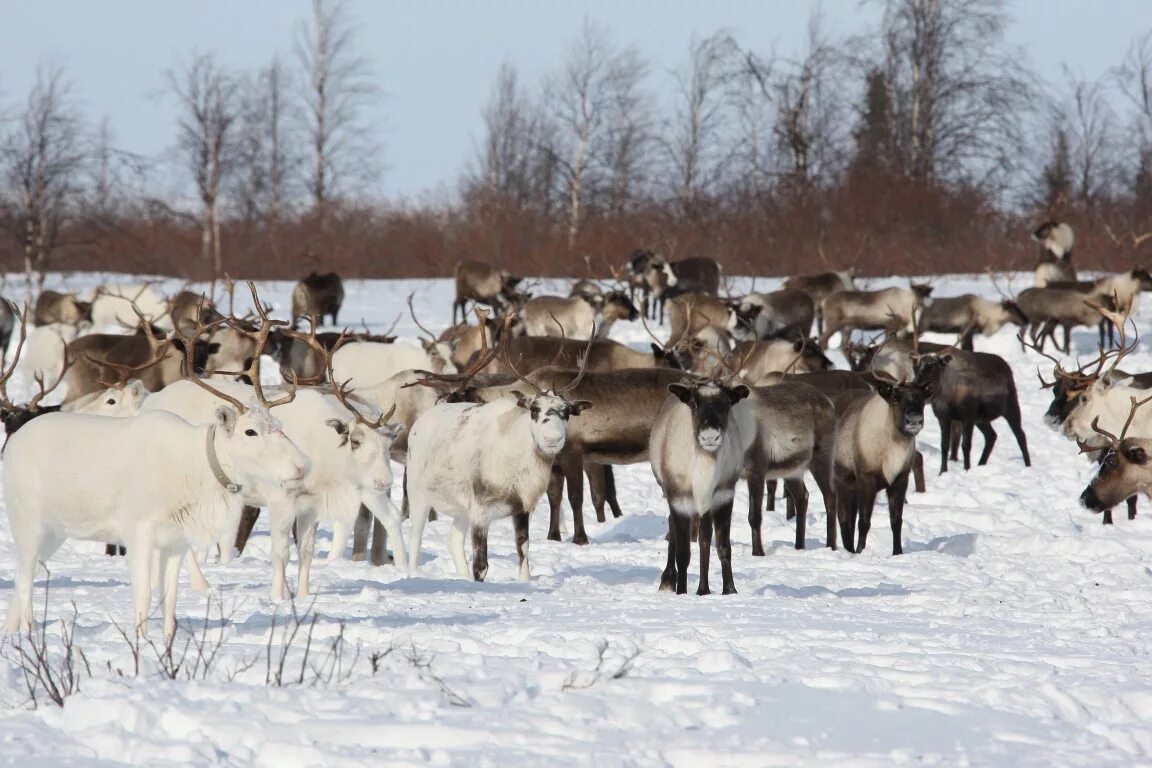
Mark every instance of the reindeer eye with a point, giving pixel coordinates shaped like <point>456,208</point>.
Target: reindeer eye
<point>250,432</point>
<point>111,401</point>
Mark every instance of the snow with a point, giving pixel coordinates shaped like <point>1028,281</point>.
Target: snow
<point>1015,631</point>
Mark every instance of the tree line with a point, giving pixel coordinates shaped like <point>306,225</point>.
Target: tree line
<point>923,145</point>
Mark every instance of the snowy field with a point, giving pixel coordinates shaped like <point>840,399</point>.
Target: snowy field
<point>1016,631</point>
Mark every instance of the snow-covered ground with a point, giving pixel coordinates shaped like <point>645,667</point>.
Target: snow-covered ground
<point>1016,631</point>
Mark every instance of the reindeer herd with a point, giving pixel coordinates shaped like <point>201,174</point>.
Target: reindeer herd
<point>528,402</point>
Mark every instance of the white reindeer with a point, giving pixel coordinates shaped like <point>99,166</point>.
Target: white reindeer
<point>479,463</point>
<point>152,482</point>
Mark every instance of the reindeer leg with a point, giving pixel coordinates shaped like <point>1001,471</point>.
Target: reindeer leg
<point>596,488</point>
<point>668,577</point>
<point>770,498</point>
<point>896,511</point>
<point>1131,507</point>
<point>248,517</point>
<point>918,471</point>
<point>1012,416</point>
<point>722,523</point>
<point>555,497</point>
<point>865,502</point>
<point>945,440</point>
<point>797,494</point>
<point>755,504</point>
<point>361,530</point>
<point>966,444</point>
<point>1107,517</point>
<point>989,440</point>
<point>846,514</point>
<point>705,541</point>
<point>479,552</point>
<point>610,490</point>
<point>572,465</point>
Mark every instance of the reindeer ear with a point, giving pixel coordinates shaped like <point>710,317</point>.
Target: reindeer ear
<point>391,431</point>
<point>579,406</point>
<point>340,427</point>
<point>798,345</point>
<point>521,400</point>
<point>885,390</point>
<point>226,418</point>
<point>738,393</point>
<point>1137,455</point>
<point>682,392</point>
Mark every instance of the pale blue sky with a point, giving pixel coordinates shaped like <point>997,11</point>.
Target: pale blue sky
<point>436,59</point>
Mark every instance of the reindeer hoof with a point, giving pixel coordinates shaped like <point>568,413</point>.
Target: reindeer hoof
<point>702,590</point>
<point>757,551</point>
<point>729,590</point>
<point>667,585</point>
<point>553,535</point>
<point>580,540</point>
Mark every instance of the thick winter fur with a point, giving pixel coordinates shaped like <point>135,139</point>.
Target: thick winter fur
<point>479,463</point>
<point>787,313</point>
<point>528,353</point>
<point>875,447</point>
<point>466,340</point>
<point>796,433</point>
<point>820,286</point>
<point>1056,238</point>
<point>1049,308</point>
<point>44,350</point>
<point>969,315</point>
<point>482,283</point>
<point>890,309</point>
<point>54,307</point>
<point>761,358</point>
<point>615,431</point>
<point>318,296</point>
<point>86,376</point>
<point>697,448</point>
<point>973,389</point>
<point>575,317</point>
<point>112,307</point>
<point>349,467</point>
<point>690,313</point>
<point>188,309</point>
<point>1124,472</point>
<point>369,363</point>
<point>669,279</point>
<point>149,487</point>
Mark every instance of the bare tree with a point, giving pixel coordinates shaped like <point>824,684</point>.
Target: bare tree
<point>810,123</point>
<point>960,95</point>
<point>596,80</point>
<point>1091,127</point>
<point>337,91</point>
<point>697,148</point>
<point>209,102</point>
<point>43,158</point>
<point>629,137</point>
<point>504,160</point>
<point>1134,78</point>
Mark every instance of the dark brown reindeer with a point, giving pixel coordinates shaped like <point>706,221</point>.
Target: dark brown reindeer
<point>782,314</point>
<point>318,296</point>
<point>972,389</point>
<point>56,307</point>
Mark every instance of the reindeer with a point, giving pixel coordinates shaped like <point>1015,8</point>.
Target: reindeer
<point>1048,308</point>
<point>370,363</point>
<point>54,307</point>
<point>531,352</point>
<point>478,463</point>
<point>669,279</point>
<point>318,296</point>
<point>576,317</point>
<point>819,287</point>
<point>762,358</point>
<point>783,314</point>
<point>697,447</point>
<point>483,284</point>
<point>875,447</point>
<point>119,305</point>
<point>968,315</point>
<point>796,433</point>
<point>974,389</point>
<point>1056,240</point>
<point>890,309</point>
<point>690,313</point>
<point>1124,469</point>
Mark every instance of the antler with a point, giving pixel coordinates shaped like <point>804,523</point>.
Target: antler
<point>412,312</point>
<point>1120,320</point>
<point>38,377</point>
<point>343,389</point>
<point>583,368</point>
<point>260,337</point>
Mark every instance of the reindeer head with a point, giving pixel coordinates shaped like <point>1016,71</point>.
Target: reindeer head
<point>711,402</point>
